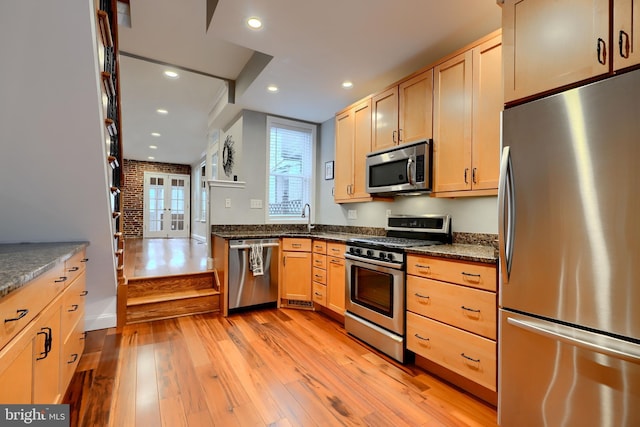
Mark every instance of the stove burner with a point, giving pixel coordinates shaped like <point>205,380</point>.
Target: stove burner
<point>393,242</point>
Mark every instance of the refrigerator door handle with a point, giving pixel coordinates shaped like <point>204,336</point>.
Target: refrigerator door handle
<point>624,354</point>
<point>506,214</point>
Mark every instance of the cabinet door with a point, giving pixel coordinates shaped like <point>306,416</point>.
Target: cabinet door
<point>452,123</point>
<point>336,284</point>
<point>296,275</point>
<point>416,108</point>
<point>16,374</point>
<point>46,356</point>
<point>344,155</point>
<point>626,33</point>
<point>487,105</point>
<point>385,119</point>
<point>552,43</point>
<point>362,146</point>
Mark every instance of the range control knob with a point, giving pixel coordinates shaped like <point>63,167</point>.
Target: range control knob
<point>382,255</point>
<point>358,251</point>
<point>390,256</point>
<point>369,252</point>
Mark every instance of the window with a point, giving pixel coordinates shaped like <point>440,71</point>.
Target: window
<point>203,193</point>
<point>291,147</point>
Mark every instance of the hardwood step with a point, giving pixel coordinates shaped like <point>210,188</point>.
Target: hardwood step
<point>148,286</point>
<point>173,296</point>
<point>146,312</point>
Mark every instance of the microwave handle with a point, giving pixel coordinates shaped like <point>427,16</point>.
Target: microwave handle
<point>409,176</point>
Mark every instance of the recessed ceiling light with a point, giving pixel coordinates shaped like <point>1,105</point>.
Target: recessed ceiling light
<point>156,134</point>
<point>153,147</point>
<point>254,23</point>
<point>347,84</point>
<point>272,88</point>
<point>162,111</point>
<point>150,157</point>
<point>171,74</point>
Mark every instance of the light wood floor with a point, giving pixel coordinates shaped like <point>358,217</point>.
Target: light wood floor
<point>263,368</point>
<point>164,257</point>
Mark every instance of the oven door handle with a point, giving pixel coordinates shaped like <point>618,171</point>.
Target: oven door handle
<point>377,263</point>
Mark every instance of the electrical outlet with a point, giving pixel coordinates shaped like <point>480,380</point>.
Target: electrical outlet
<point>388,213</point>
<point>352,214</point>
<point>256,204</point>
<point>227,203</point>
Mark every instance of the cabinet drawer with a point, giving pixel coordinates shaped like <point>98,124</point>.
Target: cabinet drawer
<point>74,266</point>
<point>21,306</point>
<point>469,355</point>
<point>71,354</point>
<point>319,261</point>
<point>296,244</point>
<point>319,246</point>
<point>477,275</point>
<point>471,309</point>
<point>319,275</point>
<point>319,294</point>
<point>73,305</point>
<point>336,249</point>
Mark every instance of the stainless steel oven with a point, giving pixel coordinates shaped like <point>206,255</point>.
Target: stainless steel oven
<point>375,304</point>
<point>375,291</point>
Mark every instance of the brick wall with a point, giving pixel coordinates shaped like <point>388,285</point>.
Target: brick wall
<point>133,191</point>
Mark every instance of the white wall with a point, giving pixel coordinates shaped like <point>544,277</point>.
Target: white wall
<point>472,215</point>
<point>53,167</point>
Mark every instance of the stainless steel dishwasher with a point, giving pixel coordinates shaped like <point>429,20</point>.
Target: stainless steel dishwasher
<point>247,287</point>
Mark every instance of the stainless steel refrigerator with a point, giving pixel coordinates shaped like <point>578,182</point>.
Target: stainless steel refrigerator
<point>569,228</point>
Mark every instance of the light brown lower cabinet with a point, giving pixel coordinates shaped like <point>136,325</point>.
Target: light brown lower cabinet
<point>39,359</point>
<point>451,319</point>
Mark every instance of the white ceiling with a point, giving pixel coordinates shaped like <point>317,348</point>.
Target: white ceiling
<point>315,45</point>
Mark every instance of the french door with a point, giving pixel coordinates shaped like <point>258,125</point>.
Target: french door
<point>166,205</point>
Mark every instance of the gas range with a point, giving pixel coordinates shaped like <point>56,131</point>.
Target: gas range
<point>403,231</point>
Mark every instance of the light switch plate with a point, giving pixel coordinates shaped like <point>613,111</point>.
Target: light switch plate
<point>227,203</point>
<point>256,204</point>
<point>352,214</point>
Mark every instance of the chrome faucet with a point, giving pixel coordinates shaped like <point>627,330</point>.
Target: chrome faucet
<point>309,226</point>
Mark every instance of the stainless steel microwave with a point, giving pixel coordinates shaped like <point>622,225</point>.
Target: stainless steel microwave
<point>402,169</point>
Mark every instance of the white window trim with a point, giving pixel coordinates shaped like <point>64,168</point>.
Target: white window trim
<point>312,191</point>
<point>202,184</point>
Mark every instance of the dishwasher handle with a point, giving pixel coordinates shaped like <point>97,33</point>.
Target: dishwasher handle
<point>264,245</point>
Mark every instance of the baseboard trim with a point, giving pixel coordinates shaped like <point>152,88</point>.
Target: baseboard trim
<point>102,321</point>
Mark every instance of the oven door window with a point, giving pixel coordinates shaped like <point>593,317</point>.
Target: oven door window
<point>372,289</point>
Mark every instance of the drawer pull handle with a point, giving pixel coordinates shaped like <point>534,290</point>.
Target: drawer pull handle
<point>318,275</point>
<point>422,296</point>
<point>423,266</point>
<point>47,342</point>
<point>296,245</point>
<point>73,308</point>
<point>72,269</point>
<point>84,260</point>
<point>318,294</point>
<point>464,273</point>
<point>470,309</point>
<point>84,336</point>
<point>74,357</point>
<point>421,337</point>
<point>61,279</point>
<point>470,358</point>
<point>84,293</point>
<point>21,313</point>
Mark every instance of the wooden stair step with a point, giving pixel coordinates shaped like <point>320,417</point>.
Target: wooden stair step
<point>143,286</point>
<point>170,308</point>
<point>173,296</point>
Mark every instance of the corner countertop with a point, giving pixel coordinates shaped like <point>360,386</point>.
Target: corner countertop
<point>23,262</point>
<point>457,251</point>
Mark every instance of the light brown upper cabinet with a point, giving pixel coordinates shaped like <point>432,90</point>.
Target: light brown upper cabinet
<point>626,33</point>
<point>353,142</point>
<point>466,121</point>
<point>552,43</point>
<point>403,114</point>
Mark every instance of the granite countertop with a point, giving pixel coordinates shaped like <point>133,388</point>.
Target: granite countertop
<point>23,262</point>
<point>458,251</point>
